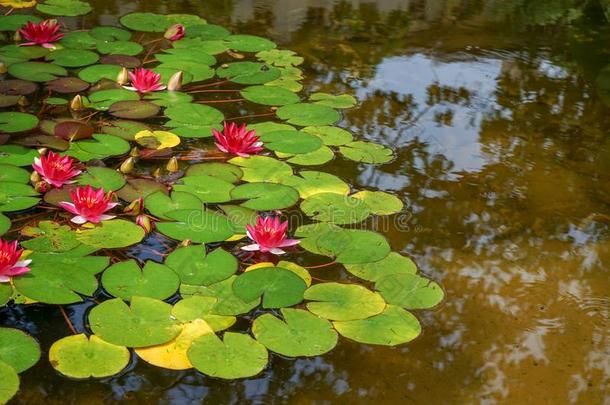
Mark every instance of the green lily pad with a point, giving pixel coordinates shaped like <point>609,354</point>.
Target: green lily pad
<point>13,174</point>
<point>262,168</point>
<point>392,327</point>
<point>409,291</point>
<point>211,47</point>
<point>102,177</point>
<point>199,226</point>
<point>78,40</point>
<point>335,208</point>
<point>72,57</point>
<point>195,117</point>
<point>195,307</point>
<point>17,122</point>
<point>124,128</point>
<point>248,72</point>
<point>278,287</point>
<point>228,303</point>
<point>265,196</point>
<point>36,71</point>
<point>95,73</point>
<point>146,22</point>
<point>280,57</point>
<point>50,237</point>
<point>134,110</point>
<point>331,136</point>
<point>126,280</point>
<point>239,216</point>
<point>55,101</point>
<point>249,43</point>
<point>367,152</point>
<point>136,188</point>
<point>195,267</point>
<point>169,98</point>
<point>343,302</point>
<point>236,356</point>
<point>293,142</point>
<point>300,333</point>
<point>15,21</point>
<point>119,48</point>
<point>110,34</point>
<point>17,52</point>
<point>17,196</point>
<point>187,20</point>
<point>208,189</point>
<point>80,357</point>
<point>103,99</point>
<point>198,71</point>
<point>318,157</point>
<point>9,382</point>
<point>394,263</point>
<point>304,114</point>
<point>113,234</point>
<point>6,293</point>
<point>223,171</point>
<point>159,203</point>
<point>146,322</point>
<point>330,100</point>
<point>18,349</point>
<point>262,128</point>
<point>60,278</point>
<point>268,95</point>
<point>206,31</point>
<point>310,183</point>
<point>5,225</point>
<point>379,202</point>
<point>68,8</point>
<point>67,85</point>
<point>100,147</point>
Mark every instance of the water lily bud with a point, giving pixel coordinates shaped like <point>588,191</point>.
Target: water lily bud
<point>175,82</point>
<point>17,36</point>
<point>77,103</point>
<point>23,101</point>
<point>127,165</point>
<point>134,152</point>
<point>145,223</point>
<point>236,55</point>
<point>42,151</point>
<point>172,165</point>
<point>157,173</point>
<point>123,77</point>
<point>175,32</point>
<point>35,177</point>
<point>41,186</point>
<point>135,207</point>
<point>185,243</point>
<point>3,68</point>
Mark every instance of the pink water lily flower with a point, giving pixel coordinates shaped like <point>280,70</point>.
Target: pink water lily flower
<point>270,235</point>
<point>174,33</point>
<point>145,81</point>
<point>43,33</point>
<point>237,140</point>
<point>55,169</point>
<point>10,265</point>
<point>89,205</point>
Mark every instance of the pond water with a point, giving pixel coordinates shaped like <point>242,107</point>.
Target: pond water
<point>498,111</point>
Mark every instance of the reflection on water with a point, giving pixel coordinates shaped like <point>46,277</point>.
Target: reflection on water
<point>499,114</point>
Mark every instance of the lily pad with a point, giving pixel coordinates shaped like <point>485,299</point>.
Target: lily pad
<point>17,87</point>
<point>280,57</point>
<point>249,43</point>
<point>195,267</point>
<point>157,139</point>
<point>146,322</point>
<point>69,8</point>
<point>278,287</point>
<point>300,333</point>
<point>126,280</point>
<point>50,237</point>
<point>110,34</point>
<point>265,196</point>
<point>331,136</point>
<point>82,357</point>
<point>72,57</point>
<point>100,147</point>
<point>379,202</point>
<point>335,208</point>
<point>11,122</point>
<point>318,157</point>
<point>409,291</point>
<point>124,128</point>
<point>67,85</point>
<point>9,382</point>
<point>113,234</point>
<point>224,171</point>
<point>146,22</point>
<point>78,40</point>
<point>104,99</point>
<point>119,48</point>
<point>394,263</point>
<point>343,302</point>
<point>134,110</point>
<point>267,95</point>
<point>136,188</point>
<point>236,356</point>
<point>18,349</point>
<point>330,100</point>
<point>248,72</point>
<point>208,189</point>
<point>392,327</point>
<point>293,142</point>
<point>199,226</point>
<point>16,196</point>
<point>228,303</point>
<point>95,73</point>
<point>304,114</point>
<point>14,174</point>
<point>367,152</point>
<point>15,21</point>
<point>36,71</point>
<point>5,225</point>
<point>310,183</point>
<point>196,307</point>
<point>160,204</point>
<point>102,177</point>
<point>207,31</point>
<point>262,168</point>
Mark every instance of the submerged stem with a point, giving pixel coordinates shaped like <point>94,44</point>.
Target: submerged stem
<point>68,321</point>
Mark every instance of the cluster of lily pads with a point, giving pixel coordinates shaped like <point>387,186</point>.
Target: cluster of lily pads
<point>106,141</point>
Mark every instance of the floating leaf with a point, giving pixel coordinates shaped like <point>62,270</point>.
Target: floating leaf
<point>79,356</point>
<point>17,122</point>
<point>5,225</point>
<point>8,101</point>
<point>95,73</point>
<point>278,287</point>
<point>267,95</point>
<point>64,7</point>
<point>197,119</point>
<point>300,333</point>
<point>18,349</point>
<point>110,34</point>
<point>335,208</point>
<point>36,71</point>
<point>366,152</point>
<point>239,216</point>
<point>228,303</point>
<point>248,72</point>
<point>199,226</point>
<point>265,196</point>
<point>195,267</point>
<point>318,157</point>
<point>67,85</point>
<point>249,43</point>
<point>262,168</point>
<point>330,100</point>
<point>55,101</point>
<point>119,48</point>
<point>72,57</point>
<point>126,61</point>
<point>394,326</point>
<point>50,237</point>
<point>280,58</point>
<point>409,291</point>
<point>198,70</point>
<point>304,114</point>
<point>15,21</point>
<point>112,234</point>
<point>126,280</point>
<point>146,322</point>
<point>160,204</point>
<point>157,139</point>
<point>124,129</point>
<point>236,356</point>
<point>213,47</point>
<point>14,174</point>
<point>136,188</point>
<point>9,382</point>
<point>223,171</point>
<point>72,130</point>
<point>17,87</point>
<point>100,147</point>
<point>173,354</point>
<point>379,202</point>
<point>331,136</point>
<point>16,155</point>
<point>104,99</point>
<point>169,98</point>
<point>146,22</point>
<point>195,307</point>
<point>293,142</point>
<point>207,31</point>
<point>134,110</point>
<point>393,263</point>
<point>343,302</point>
<point>78,40</point>
<point>309,183</point>
<point>17,196</point>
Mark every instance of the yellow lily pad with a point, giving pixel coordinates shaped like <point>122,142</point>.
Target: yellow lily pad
<point>157,139</point>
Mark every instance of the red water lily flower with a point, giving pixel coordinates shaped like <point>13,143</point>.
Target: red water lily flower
<point>10,265</point>
<point>144,81</point>
<point>55,169</point>
<point>89,205</point>
<point>43,33</point>
<point>175,32</point>
<point>237,140</point>
<point>270,235</point>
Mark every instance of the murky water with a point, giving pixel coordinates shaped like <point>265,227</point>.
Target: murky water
<point>499,112</point>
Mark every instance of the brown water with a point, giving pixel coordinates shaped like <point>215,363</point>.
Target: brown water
<point>499,113</point>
